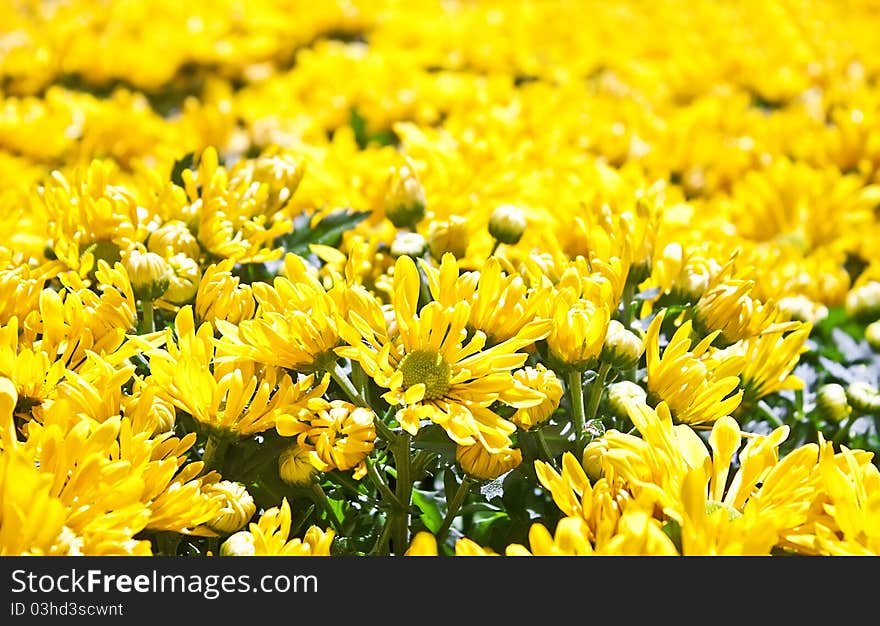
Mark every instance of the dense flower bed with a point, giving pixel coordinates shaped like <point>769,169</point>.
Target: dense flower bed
<point>439,278</point>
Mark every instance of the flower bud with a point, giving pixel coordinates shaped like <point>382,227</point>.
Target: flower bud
<point>802,308</point>
<point>184,279</point>
<point>622,348</point>
<point>620,392</point>
<point>872,335</point>
<point>148,272</point>
<point>863,397</point>
<point>405,198</point>
<point>544,380</point>
<point>832,402</point>
<point>295,466</point>
<point>408,244</point>
<point>863,302</point>
<point>238,509</point>
<point>507,224</point>
<point>448,236</point>
<point>239,544</point>
<point>481,464</point>
<point>174,237</point>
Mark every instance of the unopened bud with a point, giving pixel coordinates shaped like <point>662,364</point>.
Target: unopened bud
<point>148,272</point>
<point>408,244</point>
<point>295,466</point>
<point>405,199</point>
<point>239,544</point>
<point>872,335</point>
<point>832,402</point>
<point>481,464</point>
<point>184,279</point>
<point>863,302</point>
<point>863,397</point>
<point>449,236</point>
<point>622,348</point>
<point>620,393</point>
<point>238,509</point>
<point>507,224</point>
<point>174,237</point>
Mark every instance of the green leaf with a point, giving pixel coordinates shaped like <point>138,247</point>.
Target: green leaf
<point>183,163</point>
<point>427,503</point>
<point>327,232</point>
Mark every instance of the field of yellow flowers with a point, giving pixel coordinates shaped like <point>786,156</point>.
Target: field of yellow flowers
<point>424,277</point>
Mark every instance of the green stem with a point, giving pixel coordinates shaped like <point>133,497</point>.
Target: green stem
<point>494,248</point>
<point>384,431</point>
<point>348,387</point>
<point>361,381</point>
<point>322,501</point>
<point>403,491</point>
<point>575,388</point>
<point>768,412</point>
<point>215,450</point>
<point>545,447</point>
<point>148,323</point>
<point>629,292</point>
<point>596,388</point>
<point>844,430</point>
<point>458,499</point>
<point>167,543</point>
<point>381,545</point>
<point>382,485</point>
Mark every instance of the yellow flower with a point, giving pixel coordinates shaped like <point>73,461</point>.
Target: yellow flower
<point>770,359</point>
<point>295,324</point>
<point>339,434</point>
<point>425,544</point>
<point>540,379</point>
<point>271,536</point>
<point>500,302</point>
<point>696,387</point>
<point>580,313</point>
<point>220,295</point>
<point>295,465</point>
<point>432,372</point>
<point>237,396</point>
<point>174,237</point>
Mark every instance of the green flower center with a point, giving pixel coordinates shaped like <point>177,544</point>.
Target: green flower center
<point>428,367</point>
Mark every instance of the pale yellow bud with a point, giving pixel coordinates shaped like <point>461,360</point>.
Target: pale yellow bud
<point>872,335</point>
<point>239,544</point>
<point>449,236</point>
<point>174,237</point>
<point>148,272</point>
<point>238,509</point>
<point>507,224</point>
<point>863,397</point>
<point>863,302</point>
<point>184,282</point>
<point>620,393</point>
<point>408,244</point>
<point>405,198</point>
<point>622,348</point>
<point>481,464</point>
<point>832,402</point>
<point>295,466</point>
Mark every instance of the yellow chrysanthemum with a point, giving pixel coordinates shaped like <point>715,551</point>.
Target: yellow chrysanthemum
<point>270,536</point>
<point>697,387</point>
<point>433,370</point>
<point>221,296</point>
<point>544,380</point>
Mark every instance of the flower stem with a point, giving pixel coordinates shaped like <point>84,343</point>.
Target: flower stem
<point>324,503</point>
<point>381,484</point>
<point>575,388</point>
<point>458,499</point>
<point>544,446</point>
<point>341,378</point>
<point>148,322</point>
<point>844,430</point>
<point>596,391</point>
<point>403,491</point>
<point>495,248</point>
<point>215,450</point>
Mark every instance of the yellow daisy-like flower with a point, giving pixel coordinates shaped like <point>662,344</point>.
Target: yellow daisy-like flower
<point>270,536</point>
<point>425,544</point>
<point>221,296</point>
<point>433,371</point>
<point>231,395</point>
<point>696,387</point>
<point>339,434</point>
<point>540,379</point>
<point>295,325</point>
<point>501,302</point>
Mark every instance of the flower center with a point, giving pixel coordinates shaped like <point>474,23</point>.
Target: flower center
<point>428,367</point>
